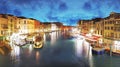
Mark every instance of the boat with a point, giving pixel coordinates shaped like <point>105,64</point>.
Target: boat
<point>18,39</point>
<point>98,51</point>
<point>38,41</point>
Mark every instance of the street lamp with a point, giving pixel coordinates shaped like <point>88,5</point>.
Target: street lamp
<point>91,31</point>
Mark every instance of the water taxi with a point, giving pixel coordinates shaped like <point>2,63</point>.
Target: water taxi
<point>38,41</point>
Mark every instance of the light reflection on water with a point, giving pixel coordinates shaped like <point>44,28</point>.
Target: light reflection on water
<point>82,49</point>
<point>53,37</point>
<point>15,55</point>
<point>37,56</point>
<point>30,49</point>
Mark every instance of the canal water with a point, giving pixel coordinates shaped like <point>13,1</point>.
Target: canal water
<point>59,50</point>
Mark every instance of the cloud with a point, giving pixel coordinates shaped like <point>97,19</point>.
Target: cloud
<point>60,10</point>
<point>63,6</point>
<point>87,6</point>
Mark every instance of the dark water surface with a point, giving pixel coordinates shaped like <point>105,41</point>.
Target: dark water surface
<point>58,51</point>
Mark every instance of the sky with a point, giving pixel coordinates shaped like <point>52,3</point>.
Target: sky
<point>66,11</point>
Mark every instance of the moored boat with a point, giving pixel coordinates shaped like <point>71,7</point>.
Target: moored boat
<point>98,51</point>
<point>38,41</point>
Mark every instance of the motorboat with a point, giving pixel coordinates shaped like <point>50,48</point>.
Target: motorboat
<point>38,41</point>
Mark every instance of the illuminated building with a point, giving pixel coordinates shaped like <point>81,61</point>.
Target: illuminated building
<point>22,25</point>
<point>108,27</point>
<point>3,25</point>
<point>25,25</point>
<point>98,26</point>
<point>37,25</point>
<point>85,26</point>
<point>11,24</point>
<point>112,28</point>
<point>7,24</point>
<point>47,27</point>
<point>59,25</point>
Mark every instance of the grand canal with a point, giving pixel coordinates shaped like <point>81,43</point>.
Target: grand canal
<point>58,51</point>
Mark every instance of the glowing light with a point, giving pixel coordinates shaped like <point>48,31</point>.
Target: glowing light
<point>53,37</point>
<point>78,47</point>
<point>53,27</point>
<point>30,49</point>
<point>82,47</point>
<point>91,31</point>
<point>15,53</point>
<point>18,39</point>
<point>116,45</point>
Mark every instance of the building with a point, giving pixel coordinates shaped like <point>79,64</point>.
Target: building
<point>59,25</point>
<point>112,28</point>
<point>25,25</point>
<point>86,26</point>
<point>108,27</point>
<point>47,26</point>
<point>12,27</point>
<point>3,25</point>
<point>99,26</point>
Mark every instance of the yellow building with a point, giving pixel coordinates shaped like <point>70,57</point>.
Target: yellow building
<point>3,25</point>
<point>112,28</point>
<point>25,25</point>
<point>12,28</point>
<point>31,25</point>
<point>99,26</point>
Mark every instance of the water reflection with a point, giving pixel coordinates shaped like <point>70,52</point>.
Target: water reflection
<point>44,36</point>
<point>15,55</point>
<point>37,56</point>
<point>62,53</point>
<point>53,37</point>
<point>78,47</point>
<point>90,58</point>
<point>30,49</point>
<point>84,50</point>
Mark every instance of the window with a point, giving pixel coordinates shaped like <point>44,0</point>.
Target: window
<point>25,22</point>
<point>2,32</point>
<point>11,20</point>
<point>111,28</point>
